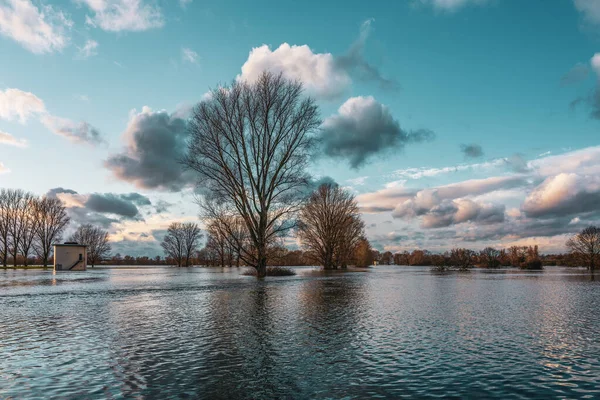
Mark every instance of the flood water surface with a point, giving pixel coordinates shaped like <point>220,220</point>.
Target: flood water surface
<point>387,332</point>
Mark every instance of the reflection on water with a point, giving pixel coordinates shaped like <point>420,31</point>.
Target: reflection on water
<point>388,332</point>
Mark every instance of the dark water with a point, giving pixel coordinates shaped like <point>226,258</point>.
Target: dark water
<point>389,332</point>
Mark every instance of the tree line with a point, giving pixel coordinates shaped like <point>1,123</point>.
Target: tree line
<point>29,225</point>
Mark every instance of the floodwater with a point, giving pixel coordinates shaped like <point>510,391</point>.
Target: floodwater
<point>386,332</point>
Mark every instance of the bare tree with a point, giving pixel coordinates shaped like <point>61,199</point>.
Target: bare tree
<point>250,145</point>
<point>462,258</point>
<point>585,247</point>
<point>18,205</point>
<point>96,240</point>
<point>4,223</point>
<point>329,226</point>
<point>52,220</point>
<point>191,236</point>
<point>490,257</point>
<point>30,226</point>
<point>181,241</point>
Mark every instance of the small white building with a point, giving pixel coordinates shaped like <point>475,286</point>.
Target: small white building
<point>70,256</point>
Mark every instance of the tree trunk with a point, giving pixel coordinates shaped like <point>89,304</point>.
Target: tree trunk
<point>261,268</point>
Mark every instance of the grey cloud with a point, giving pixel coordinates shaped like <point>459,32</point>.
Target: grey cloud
<point>156,143</point>
<point>459,211</point>
<point>138,199</point>
<point>162,206</point>
<point>578,73</point>
<point>471,150</point>
<point>112,204</point>
<point>363,128</point>
<point>355,64</point>
<point>591,101</point>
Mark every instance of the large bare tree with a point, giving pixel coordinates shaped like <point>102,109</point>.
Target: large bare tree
<point>330,227</point>
<point>52,220</point>
<point>96,240</point>
<point>181,241</point>
<point>585,247</point>
<point>250,145</point>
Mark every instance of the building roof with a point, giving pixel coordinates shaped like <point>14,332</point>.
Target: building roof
<point>69,245</point>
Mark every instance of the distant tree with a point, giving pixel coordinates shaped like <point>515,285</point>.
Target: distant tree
<point>52,220</point>
<point>4,222</point>
<point>490,257</point>
<point>96,240</point>
<point>330,226</point>
<point>462,258</point>
<point>181,241</point>
<point>387,258</point>
<point>585,247</point>
<point>250,145</point>
<point>363,254</point>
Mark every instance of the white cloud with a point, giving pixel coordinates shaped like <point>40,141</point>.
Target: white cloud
<point>3,169</point>
<point>189,55</point>
<point>317,71</point>
<point>17,104</point>
<point>89,49</point>
<point>590,10</point>
<point>39,30</point>
<point>123,15</point>
<point>184,3</point>
<point>426,172</point>
<point>8,139</point>
<point>451,5</point>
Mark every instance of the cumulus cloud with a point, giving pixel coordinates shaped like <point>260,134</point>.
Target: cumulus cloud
<point>317,71</point>
<point>38,29</point>
<point>323,74</point>
<point>123,15</point>
<point>88,50</point>
<point>471,150</point>
<point>364,127</point>
<point>563,195</point>
<point>19,105</point>
<point>189,55</point>
<point>451,5</point>
<point>10,140</point>
<point>155,142</point>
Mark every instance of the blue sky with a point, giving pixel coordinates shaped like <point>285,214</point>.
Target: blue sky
<point>512,81</point>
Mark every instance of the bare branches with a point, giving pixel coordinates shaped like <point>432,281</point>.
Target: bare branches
<point>330,227</point>
<point>585,247</point>
<point>181,241</point>
<point>250,145</point>
<point>96,240</point>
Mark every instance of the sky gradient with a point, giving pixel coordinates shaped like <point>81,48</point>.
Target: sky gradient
<point>456,122</point>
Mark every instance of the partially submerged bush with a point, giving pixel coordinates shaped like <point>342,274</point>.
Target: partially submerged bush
<point>271,271</point>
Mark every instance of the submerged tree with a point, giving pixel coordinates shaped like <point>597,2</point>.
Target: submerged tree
<point>490,257</point>
<point>585,247</point>
<point>250,144</point>
<point>96,240</point>
<point>181,242</point>
<point>330,227</point>
<point>363,253</point>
